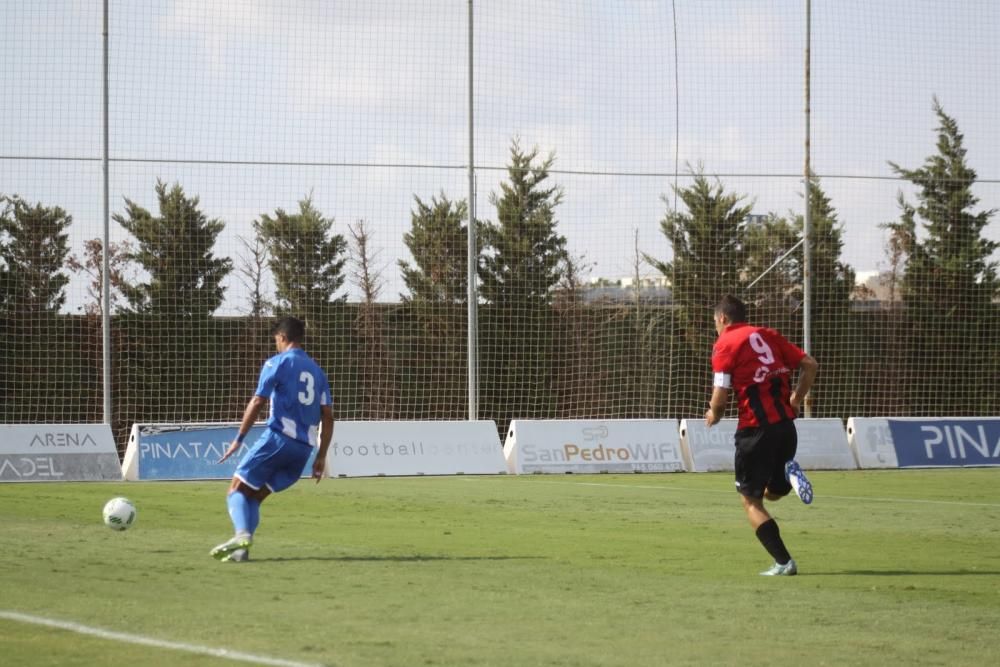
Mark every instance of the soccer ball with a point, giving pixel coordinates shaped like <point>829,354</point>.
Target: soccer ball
<point>119,513</point>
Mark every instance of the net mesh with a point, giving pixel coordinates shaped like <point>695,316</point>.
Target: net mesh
<point>633,162</point>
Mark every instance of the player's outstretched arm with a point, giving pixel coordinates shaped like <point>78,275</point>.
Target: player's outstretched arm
<point>250,414</point>
<point>325,437</point>
<point>716,406</point>
<point>808,368</point>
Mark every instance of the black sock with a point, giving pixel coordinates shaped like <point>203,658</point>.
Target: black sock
<point>770,537</point>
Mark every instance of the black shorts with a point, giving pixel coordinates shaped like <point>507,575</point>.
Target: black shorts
<point>761,454</point>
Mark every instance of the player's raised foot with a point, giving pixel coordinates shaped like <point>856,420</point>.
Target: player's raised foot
<point>240,541</point>
<point>800,483</point>
<point>238,556</point>
<point>778,570</point>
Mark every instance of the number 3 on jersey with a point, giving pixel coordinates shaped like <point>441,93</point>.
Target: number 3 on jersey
<point>308,395</point>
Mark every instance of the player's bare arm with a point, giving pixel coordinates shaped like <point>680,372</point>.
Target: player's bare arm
<point>325,437</point>
<point>807,374</point>
<point>250,414</point>
<point>716,406</point>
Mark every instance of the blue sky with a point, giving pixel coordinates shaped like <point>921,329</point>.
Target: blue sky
<point>252,105</point>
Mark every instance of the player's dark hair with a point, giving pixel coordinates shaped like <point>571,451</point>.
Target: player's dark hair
<point>291,328</point>
<point>734,309</point>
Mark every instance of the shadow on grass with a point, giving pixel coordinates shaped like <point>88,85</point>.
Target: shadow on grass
<point>905,573</point>
<point>416,558</point>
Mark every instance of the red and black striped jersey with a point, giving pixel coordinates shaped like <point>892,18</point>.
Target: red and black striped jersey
<point>756,363</point>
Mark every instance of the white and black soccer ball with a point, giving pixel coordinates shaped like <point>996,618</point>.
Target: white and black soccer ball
<point>119,513</point>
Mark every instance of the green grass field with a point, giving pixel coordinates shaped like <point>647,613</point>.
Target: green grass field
<point>896,567</point>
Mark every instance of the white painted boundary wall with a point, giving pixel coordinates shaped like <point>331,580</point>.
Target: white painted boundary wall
<point>593,446</point>
<point>58,453</point>
<point>822,445</point>
<point>374,448</point>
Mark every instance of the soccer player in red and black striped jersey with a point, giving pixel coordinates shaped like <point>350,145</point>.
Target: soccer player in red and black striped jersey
<point>756,364</point>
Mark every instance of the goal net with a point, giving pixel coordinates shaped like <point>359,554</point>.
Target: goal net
<point>633,162</point>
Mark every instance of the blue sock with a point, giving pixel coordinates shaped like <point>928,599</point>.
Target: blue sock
<point>253,506</point>
<point>239,511</point>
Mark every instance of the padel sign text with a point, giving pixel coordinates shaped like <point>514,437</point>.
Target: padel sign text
<point>58,453</point>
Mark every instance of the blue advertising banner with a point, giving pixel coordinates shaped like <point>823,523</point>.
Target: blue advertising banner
<point>192,451</point>
<point>946,442</point>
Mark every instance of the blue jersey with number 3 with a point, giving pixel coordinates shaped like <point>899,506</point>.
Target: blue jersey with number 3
<point>296,387</point>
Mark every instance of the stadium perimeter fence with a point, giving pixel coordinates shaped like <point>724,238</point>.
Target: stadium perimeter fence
<point>625,163</point>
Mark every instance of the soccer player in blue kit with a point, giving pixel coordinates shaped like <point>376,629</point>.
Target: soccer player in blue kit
<point>301,416</point>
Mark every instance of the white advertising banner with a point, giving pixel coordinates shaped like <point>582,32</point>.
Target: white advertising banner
<point>593,446</point>
<point>871,442</point>
<point>375,448</point>
<point>58,453</point>
<point>707,449</point>
<point>822,445</point>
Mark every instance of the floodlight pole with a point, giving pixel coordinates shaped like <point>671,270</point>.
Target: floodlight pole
<point>473,256</point>
<point>807,218</point>
<point>106,242</point>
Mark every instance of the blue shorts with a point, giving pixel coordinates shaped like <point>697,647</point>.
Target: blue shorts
<point>275,461</point>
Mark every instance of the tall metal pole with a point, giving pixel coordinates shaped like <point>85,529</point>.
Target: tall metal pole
<point>677,153</point>
<point>472,317</point>
<point>807,218</point>
<point>106,241</point>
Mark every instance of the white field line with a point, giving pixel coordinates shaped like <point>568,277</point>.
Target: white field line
<point>149,641</point>
<point>819,497</point>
